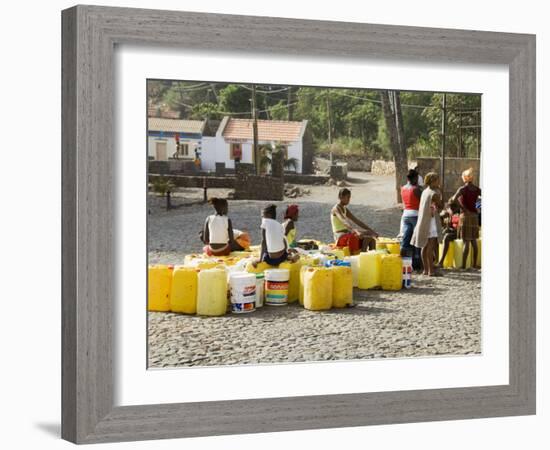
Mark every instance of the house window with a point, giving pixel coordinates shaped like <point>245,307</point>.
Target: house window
<point>183,150</point>
<point>235,151</point>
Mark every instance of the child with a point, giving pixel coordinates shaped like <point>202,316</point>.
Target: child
<point>217,232</point>
<point>347,229</point>
<point>289,226</point>
<point>451,218</point>
<point>274,249</point>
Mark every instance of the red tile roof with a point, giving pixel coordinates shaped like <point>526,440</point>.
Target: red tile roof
<point>268,130</point>
<point>175,126</point>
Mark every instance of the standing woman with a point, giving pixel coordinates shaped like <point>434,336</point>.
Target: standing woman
<point>427,233</point>
<point>410,194</point>
<point>468,226</point>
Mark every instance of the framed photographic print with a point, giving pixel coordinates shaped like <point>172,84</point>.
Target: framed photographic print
<point>265,229</point>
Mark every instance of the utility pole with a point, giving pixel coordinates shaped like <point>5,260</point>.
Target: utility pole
<point>443,141</point>
<point>255,131</point>
<point>329,123</point>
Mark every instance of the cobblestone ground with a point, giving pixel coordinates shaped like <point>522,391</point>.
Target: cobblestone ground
<point>438,316</point>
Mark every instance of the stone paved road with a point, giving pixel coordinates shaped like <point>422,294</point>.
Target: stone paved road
<point>438,316</point>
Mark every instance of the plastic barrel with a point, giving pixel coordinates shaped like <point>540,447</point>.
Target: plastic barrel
<point>276,286</point>
<point>243,292</point>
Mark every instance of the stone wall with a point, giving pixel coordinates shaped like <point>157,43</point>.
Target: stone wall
<point>172,166</point>
<point>453,171</point>
<point>381,167</point>
<point>190,181</point>
<point>339,171</point>
<point>253,187</point>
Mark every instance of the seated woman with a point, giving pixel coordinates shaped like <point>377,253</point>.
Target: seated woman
<point>217,232</point>
<point>289,225</point>
<point>274,249</point>
<point>347,229</point>
<point>450,218</point>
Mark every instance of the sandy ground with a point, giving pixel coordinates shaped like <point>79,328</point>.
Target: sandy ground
<point>438,316</point>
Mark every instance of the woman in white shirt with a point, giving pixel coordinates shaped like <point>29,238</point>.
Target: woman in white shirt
<point>274,246</point>
<point>217,233</point>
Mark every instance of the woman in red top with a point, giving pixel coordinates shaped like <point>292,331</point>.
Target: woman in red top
<point>410,195</point>
<point>468,227</point>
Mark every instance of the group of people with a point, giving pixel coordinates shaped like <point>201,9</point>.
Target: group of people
<point>278,240</point>
<point>425,223</point>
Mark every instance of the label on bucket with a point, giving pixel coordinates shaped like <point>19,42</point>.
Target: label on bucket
<point>239,308</point>
<point>276,292</point>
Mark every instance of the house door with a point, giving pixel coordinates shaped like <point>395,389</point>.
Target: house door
<point>161,153</point>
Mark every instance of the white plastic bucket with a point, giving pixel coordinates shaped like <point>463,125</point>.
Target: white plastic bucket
<point>407,272</point>
<point>276,286</point>
<point>260,285</point>
<point>243,292</point>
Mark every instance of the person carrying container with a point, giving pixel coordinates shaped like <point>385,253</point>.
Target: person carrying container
<point>347,229</point>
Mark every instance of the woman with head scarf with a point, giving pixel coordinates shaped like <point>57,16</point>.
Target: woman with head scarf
<point>289,224</point>
<point>468,226</point>
<point>427,233</point>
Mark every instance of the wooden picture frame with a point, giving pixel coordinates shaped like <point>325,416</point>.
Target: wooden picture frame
<point>89,35</point>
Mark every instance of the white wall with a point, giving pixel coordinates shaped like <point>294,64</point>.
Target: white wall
<point>170,146</point>
<point>31,263</point>
<point>208,153</point>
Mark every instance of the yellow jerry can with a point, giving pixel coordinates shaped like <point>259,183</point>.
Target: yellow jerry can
<point>212,292</point>
<point>448,262</point>
<point>294,280</point>
<point>318,288</point>
<point>342,286</point>
<point>391,273</point>
<point>458,254</point>
<point>159,284</point>
<point>394,247</point>
<point>478,253</point>
<point>369,270</point>
<point>183,298</point>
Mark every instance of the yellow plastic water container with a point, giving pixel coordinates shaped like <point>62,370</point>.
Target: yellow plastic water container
<point>342,286</point>
<point>381,244</point>
<point>208,264</point>
<point>183,298</point>
<point>159,285</point>
<point>294,280</point>
<point>369,270</point>
<point>394,247</point>
<point>301,293</point>
<point>458,253</point>
<point>260,267</point>
<point>191,259</point>
<point>448,262</point>
<point>391,273</point>
<point>212,292</point>
<point>240,255</point>
<point>354,261</point>
<point>478,252</point>
<point>318,285</point>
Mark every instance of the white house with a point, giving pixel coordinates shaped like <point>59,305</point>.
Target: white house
<point>163,134</point>
<point>234,139</point>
